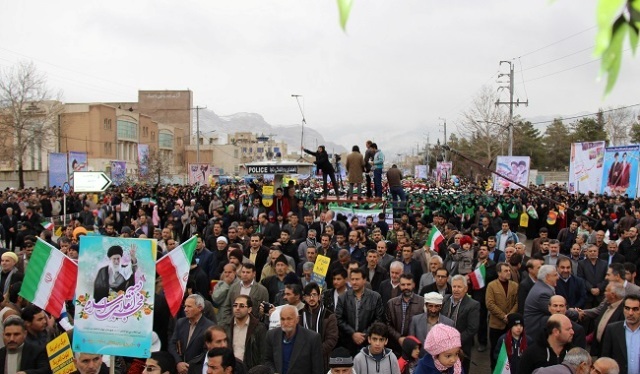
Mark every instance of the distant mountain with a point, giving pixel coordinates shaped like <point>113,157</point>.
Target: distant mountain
<point>255,123</point>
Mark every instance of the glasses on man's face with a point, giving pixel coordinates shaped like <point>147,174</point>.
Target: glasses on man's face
<point>240,306</point>
<point>151,369</point>
<point>313,295</point>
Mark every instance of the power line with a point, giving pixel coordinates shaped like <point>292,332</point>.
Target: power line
<point>556,59</point>
<point>556,42</point>
<point>588,114</point>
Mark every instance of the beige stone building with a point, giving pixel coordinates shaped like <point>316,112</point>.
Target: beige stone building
<point>242,147</point>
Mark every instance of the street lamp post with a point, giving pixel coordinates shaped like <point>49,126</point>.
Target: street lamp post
<point>304,121</point>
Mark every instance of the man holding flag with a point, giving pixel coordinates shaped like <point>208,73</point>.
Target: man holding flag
<point>485,272</point>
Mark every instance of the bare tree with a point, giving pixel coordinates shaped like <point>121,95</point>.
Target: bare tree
<point>158,166</point>
<point>484,124</point>
<point>618,122</point>
<point>28,115</point>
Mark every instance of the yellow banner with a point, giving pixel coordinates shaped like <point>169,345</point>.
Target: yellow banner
<point>60,355</point>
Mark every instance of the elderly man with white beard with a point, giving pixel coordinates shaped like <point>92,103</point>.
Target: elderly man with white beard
<point>115,276</point>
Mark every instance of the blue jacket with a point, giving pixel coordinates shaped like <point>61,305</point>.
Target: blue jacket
<point>427,366</point>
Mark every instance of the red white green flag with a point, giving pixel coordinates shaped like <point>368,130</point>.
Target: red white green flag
<point>435,238</point>
<point>502,365</point>
<point>173,268</point>
<point>478,277</point>
<point>50,279</point>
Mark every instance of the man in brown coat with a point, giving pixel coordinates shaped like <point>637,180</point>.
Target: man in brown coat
<point>355,167</point>
<point>397,321</point>
<point>501,300</point>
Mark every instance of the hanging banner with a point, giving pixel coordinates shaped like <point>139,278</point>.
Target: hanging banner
<point>620,171</point>
<point>200,173</point>
<point>118,172</point>
<point>57,169</point>
<point>421,172</point>
<point>143,160</point>
<point>515,168</point>
<point>585,167</point>
<point>77,162</point>
<point>114,296</point>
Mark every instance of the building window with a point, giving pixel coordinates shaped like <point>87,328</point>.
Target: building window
<point>127,130</point>
<point>259,150</point>
<point>106,124</point>
<point>165,140</point>
<point>107,148</point>
<point>145,131</point>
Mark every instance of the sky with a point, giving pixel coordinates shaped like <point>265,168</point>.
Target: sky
<point>398,71</point>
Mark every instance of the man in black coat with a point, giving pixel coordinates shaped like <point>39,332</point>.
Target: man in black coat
<point>185,346</point>
<point>18,355</point>
<point>324,163</point>
<point>614,341</point>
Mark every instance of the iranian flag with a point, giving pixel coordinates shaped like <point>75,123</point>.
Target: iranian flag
<point>499,209</point>
<point>435,238</point>
<point>478,277</point>
<point>47,225</point>
<point>502,365</point>
<point>50,279</point>
<point>173,268</point>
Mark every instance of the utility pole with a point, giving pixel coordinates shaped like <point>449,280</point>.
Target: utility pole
<point>445,136</point>
<point>510,102</point>
<point>197,108</point>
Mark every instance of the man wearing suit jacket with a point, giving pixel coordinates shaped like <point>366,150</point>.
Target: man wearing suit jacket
<point>373,272</point>
<point>248,285</point>
<point>501,298</point>
<point>593,271</point>
<point>612,254</point>
<point>187,340</point>
<point>465,312</point>
<point>536,306</point>
<point>18,355</point>
<point>269,230</point>
<point>422,323</point>
<point>613,295</point>
<point>614,341</point>
<point>291,348</point>
<point>397,320</point>
<point>257,253</point>
<point>529,278</point>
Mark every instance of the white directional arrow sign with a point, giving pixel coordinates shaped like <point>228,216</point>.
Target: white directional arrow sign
<point>90,181</point>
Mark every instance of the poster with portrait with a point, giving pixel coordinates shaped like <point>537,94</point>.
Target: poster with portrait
<point>200,174</point>
<point>143,159</point>
<point>443,171</point>
<point>118,172</point>
<point>421,172</point>
<point>77,162</point>
<point>620,172</point>
<point>57,169</point>
<point>585,167</point>
<point>115,294</point>
<point>515,168</point>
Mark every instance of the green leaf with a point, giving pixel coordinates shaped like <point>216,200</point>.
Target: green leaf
<point>607,12</point>
<point>633,38</point>
<point>612,56</point>
<point>344,6</point>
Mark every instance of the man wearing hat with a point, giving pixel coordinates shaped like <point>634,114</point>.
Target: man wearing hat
<point>115,277</point>
<point>10,273</point>
<point>422,323</point>
<point>341,362</point>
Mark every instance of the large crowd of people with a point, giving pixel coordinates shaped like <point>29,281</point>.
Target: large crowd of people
<point>545,276</point>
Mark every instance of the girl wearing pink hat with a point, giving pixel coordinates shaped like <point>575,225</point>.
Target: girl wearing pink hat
<point>443,348</point>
